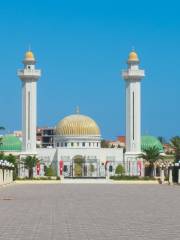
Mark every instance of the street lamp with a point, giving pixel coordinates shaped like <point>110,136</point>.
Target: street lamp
<point>178,166</point>
<point>162,173</point>
<point>170,173</point>
<point>4,164</point>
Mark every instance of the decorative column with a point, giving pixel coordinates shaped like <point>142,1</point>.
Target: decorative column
<point>29,76</point>
<point>133,76</point>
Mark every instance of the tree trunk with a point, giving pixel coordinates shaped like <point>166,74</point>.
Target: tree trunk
<point>30,173</point>
<point>151,170</point>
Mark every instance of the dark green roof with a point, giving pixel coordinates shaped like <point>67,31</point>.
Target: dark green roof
<point>149,142</point>
<point>10,143</point>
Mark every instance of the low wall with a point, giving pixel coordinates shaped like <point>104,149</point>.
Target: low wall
<point>6,176</point>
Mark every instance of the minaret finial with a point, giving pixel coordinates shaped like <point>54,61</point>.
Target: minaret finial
<point>29,47</point>
<point>133,48</point>
<point>77,110</point>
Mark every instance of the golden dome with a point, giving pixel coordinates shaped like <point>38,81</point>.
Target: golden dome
<point>29,56</point>
<point>133,57</point>
<point>77,125</point>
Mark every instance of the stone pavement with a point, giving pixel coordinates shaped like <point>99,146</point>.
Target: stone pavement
<point>89,211</point>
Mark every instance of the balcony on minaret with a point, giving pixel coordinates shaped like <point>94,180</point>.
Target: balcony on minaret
<point>33,74</point>
<point>133,74</point>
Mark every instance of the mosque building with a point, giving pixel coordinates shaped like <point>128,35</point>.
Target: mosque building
<point>77,150</point>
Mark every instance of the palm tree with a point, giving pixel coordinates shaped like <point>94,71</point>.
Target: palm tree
<point>151,155</point>
<point>175,142</point>
<point>29,163</point>
<point>162,140</point>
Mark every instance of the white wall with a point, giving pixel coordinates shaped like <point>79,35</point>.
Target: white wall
<point>114,156</point>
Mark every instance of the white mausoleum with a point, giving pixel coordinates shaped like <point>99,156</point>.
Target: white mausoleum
<point>78,139</point>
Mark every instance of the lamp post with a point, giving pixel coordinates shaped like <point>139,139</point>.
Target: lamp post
<point>5,165</point>
<point>1,167</point>
<point>162,173</point>
<point>170,174</point>
<point>179,173</point>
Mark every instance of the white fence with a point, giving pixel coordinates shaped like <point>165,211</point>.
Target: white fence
<point>6,176</point>
<point>6,172</point>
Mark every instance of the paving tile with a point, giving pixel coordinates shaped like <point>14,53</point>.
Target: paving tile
<point>89,211</point>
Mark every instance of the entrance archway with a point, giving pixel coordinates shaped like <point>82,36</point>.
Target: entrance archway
<point>79,166</point>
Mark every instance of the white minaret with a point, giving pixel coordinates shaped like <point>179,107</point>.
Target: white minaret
<point>133,76</point>
<point>29,76</point>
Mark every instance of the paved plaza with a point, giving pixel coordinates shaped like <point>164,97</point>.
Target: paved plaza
<point>89,211</point>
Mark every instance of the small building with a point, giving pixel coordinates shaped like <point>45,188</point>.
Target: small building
<point>45,137</point>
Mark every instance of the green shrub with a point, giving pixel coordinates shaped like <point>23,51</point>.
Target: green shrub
<point>131,178</point>
<point>43,178</point>
<point>39,178</point>
<point>49,171</point>
<point>24,178</point>
<point>120,170</point>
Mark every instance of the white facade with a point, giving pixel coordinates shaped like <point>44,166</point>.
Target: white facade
<point>78,138</point>
<point>101,158</point>
<point>29,76</point>
<point>133,76</point>
<point>78,142</point>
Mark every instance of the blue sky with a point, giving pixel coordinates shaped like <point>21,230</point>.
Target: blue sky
<point>81,47</point>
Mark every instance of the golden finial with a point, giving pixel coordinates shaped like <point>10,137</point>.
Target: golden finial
<point>133,57</point>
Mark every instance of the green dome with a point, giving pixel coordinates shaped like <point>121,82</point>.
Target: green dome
<point>10,143</point>
<point>149,142</point>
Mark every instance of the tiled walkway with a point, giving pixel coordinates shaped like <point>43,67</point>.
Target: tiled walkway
<point>89,211</point>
